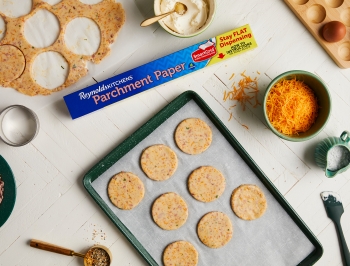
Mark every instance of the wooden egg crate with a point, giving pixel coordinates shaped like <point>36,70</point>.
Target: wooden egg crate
<point>315,14</point>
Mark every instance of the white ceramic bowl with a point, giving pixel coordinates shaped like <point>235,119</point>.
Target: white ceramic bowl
<point>211,14</point>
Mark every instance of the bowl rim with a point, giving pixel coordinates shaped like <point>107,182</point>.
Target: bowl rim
<point>273,82</point>
<point>167,29</point>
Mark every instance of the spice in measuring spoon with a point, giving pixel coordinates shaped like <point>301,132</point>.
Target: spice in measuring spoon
<point>97,257</point>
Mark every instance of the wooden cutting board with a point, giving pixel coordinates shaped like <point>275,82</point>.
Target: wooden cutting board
<point>315,14</point>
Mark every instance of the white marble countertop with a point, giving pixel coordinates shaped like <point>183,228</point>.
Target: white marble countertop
<point>52,204</point>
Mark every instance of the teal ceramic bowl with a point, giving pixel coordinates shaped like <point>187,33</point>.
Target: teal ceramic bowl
<point>8,202</point>
<point>211,14</point>
<point>324,102</point>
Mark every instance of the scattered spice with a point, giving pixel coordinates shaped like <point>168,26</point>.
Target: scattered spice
<point>97,233</point>
<point>291,107</point>
<point>97,257</point>
<point>243,91</point>
<point>245,126</point>
<point>1,189</point>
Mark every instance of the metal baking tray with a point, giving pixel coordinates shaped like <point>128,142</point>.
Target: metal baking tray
<point>279,237</point>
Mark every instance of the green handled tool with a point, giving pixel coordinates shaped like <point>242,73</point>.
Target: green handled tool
<point>334,208</point>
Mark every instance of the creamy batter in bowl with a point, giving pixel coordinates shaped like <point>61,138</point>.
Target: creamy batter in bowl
<point>198,17</point>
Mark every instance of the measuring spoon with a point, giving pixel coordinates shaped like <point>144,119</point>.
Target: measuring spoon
<point>68,252</point>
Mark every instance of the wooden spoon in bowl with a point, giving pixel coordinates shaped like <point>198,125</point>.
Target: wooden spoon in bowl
<point>179,8</point>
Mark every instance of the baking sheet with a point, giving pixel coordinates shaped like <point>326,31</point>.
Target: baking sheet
<point>274,239</point>
<point>129,39</point>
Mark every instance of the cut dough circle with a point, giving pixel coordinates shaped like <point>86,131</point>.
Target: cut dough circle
<point>248,202</point>
<point>52,2</point>
<point>206,183</point>
<point>193,136</point>
<point>12,63</point>
<point>2,28</point>
<point>90,2</point>
<point>42,29</point>
<point>215,229</point>
<point>16,9</point>
<point>50,70</point>
<point>82,36</point>
<point>169,211</point>
<point>180,253</point>
<point>159,162</point>
<point>125,190</point>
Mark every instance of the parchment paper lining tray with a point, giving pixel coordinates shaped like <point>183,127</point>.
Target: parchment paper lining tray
<point>279,237</point>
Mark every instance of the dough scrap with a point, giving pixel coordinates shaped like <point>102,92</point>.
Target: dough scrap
<point>248,202</point>
<point>206,183</point>
<point>159,162</point>
<point>180,253</point>
<point>193,136</point>
<point>110,17</point>
<point>215,229</point>
<point>169,211</point>
<point>125,190</point>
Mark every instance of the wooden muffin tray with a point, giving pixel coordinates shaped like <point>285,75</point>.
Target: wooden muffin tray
<point>315,14</point>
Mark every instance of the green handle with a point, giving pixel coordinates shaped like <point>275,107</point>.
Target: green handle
<point>343,246</point>
<point>345,136</point>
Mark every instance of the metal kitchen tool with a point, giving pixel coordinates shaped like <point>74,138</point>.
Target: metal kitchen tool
<point>180,9</point>
<point>334,208</point>
<point>68,252</point>
<point>19,125</point>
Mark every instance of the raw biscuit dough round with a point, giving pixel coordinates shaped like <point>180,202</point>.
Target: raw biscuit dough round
<point>125,190</point>
<point>169,211</point>
<point>180,253</point>
<point>12,63</point>
<point>206,183</point>
<point>248,202</point>
<point>215,229</point>
<point>159,162</point>
<point>193,136</point>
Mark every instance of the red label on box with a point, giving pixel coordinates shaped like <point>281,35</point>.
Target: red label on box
<point>205,52</point>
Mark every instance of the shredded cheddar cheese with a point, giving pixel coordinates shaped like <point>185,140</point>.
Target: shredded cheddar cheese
<point>245,92</point>
<point>291,107</point>
<point>230,117</point>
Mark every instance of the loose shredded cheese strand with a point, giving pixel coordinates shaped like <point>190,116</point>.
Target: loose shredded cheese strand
<point>291,107</point>
<point>246,86</point>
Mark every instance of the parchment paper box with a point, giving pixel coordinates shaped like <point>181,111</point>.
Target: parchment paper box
<point>159,71</point>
